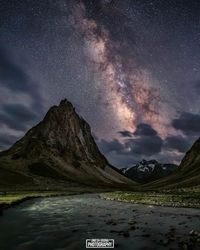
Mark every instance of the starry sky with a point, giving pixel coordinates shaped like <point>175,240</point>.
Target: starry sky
<point>131,68</point>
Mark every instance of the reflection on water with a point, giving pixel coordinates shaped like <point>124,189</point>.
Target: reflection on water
<point>66,222</point>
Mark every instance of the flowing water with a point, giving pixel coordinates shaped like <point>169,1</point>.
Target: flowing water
<point>64,223</point>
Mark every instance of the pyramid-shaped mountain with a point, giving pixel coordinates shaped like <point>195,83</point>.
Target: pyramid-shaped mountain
<point>58,151</point>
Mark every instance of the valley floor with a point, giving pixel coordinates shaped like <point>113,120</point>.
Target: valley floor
<point>66,222</point>
<point>178,198</point>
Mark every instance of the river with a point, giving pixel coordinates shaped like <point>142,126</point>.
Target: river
<point>64,223</point>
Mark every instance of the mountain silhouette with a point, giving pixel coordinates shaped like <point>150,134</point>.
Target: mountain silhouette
<point>58,151</point>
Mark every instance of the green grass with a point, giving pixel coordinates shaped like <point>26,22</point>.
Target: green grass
<point>11,198</point>
<point>178,199</point>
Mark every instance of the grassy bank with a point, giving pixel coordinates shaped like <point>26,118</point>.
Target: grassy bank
<point>178,199</point>
<point>10,198</point>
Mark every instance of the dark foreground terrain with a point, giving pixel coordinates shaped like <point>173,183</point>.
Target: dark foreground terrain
<point>66,222</point>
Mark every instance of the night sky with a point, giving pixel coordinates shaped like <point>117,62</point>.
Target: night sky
<point>131,68</point>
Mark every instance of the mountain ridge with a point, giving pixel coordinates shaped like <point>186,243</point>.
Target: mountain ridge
<point>60,147</point>
<point>187,173</point>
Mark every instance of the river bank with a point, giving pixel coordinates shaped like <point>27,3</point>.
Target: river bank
<point>66,222</point>
<point>9,200</point>
<point>169,199</point>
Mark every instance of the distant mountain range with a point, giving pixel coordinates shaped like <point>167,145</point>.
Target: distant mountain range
<point>56,153</point>
<point>146,171</point>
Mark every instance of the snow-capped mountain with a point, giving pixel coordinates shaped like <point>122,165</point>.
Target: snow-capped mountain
<point>146,171</point>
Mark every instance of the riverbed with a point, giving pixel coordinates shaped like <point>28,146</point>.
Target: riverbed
<point>64,223</point>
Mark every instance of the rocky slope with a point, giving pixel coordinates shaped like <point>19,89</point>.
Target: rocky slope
<point>187,174</point>
<point>191,161</point>
<point>146,171</point>
<point>60,150</point>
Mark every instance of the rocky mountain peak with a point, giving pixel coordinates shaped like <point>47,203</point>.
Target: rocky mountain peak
<point>60,112</point>
<point>62,132</point>
<point>146,171</point>
<point>62,146</point>
<point>65,102</point>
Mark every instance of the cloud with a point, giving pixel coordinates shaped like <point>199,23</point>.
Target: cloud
<point>144,129</point>
<point>11,123</point>
<point>110,146</point>
<point>119,160</point>
<point>6,140</point>
<point>17,116</point>
<point>19,112</point>
<point>145,145</point>
<point>15,79</point>
<point>11,76</point>
<point>178,143</point>
<point>197,87</point>
<point>170,157</point>
<point>116,153</point>
<point>125,133</point>
<point>146,142</point>
<point>21,104</point>
<point>188,123</point>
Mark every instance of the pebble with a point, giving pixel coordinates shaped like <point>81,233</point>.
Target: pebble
<point>146,235</point>
<point>126,234</point>
<point>111,222</point>
<point>75,230</point>
<point>131,222</point>
<point>165,242</point>
<point>131,227</point>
